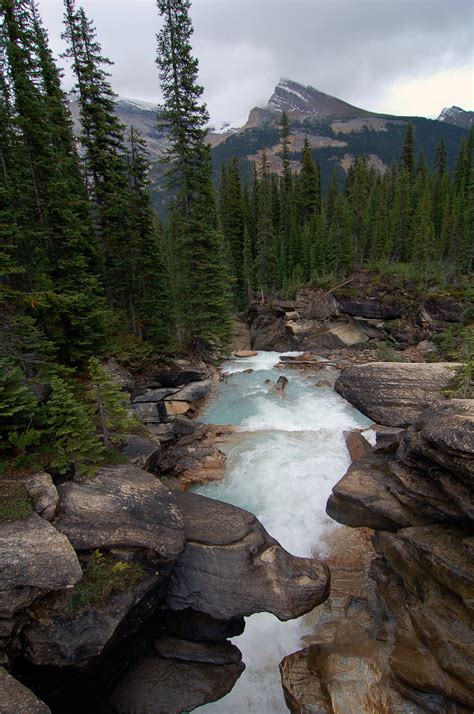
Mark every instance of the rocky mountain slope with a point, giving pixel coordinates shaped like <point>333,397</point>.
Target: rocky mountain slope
<point>336,130</point>
<point>457,116</point>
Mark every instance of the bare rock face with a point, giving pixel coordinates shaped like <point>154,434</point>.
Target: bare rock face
<point>364,497</point>
<point>344,667</point>
<point>179,372</point>
<point>196,457</point>
<point>177,676</point>
<point>15,698</point>
<point>425,569</point>
<point>42,491</point>
<point>142,451</point>
<point>269,332</point>
<point>394,394</point>
<point>357,445</point>
<point>193,392</point>
<point>231,566</point>
<point>35,559</point>
<point>197,626</point>
<point>371,308</point>
<point>434,634</point>
<point>443,309</point>
<point>121,506</point>
<point>70,639</point>
<point>444,435</point>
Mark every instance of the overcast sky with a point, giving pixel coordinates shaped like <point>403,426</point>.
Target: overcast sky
<point>394,56</point>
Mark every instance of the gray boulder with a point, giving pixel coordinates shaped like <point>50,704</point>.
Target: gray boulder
<point>231,567</point>
<point>35,559</point>
<point>394,394</point>
<point>42,492</point>
<point>154,395</point>
<point>15,698</point>
<point>193,392</point>
<point>121,506</point>
<point>269,332</point>
<point>179,372</point>
<point>364,497</point>
<point>142,451</point>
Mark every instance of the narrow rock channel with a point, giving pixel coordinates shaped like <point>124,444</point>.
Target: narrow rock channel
<point>282,463</point>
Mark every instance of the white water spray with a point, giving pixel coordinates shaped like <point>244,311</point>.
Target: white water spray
<point>281,468</point>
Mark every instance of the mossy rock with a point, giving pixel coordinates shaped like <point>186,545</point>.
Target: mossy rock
<point>103,577</point>
<point>15,503</point>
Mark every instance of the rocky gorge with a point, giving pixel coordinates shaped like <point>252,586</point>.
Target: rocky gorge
<point>120,592</point>
<point>120,595</point>
<point>405,629</point>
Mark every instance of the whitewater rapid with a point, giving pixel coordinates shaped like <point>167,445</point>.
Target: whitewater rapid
<point>281,466</point>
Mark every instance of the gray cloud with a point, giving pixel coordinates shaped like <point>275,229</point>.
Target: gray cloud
<point>358,50</point>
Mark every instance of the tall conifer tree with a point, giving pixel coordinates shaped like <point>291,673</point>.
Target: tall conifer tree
<point>56,242</point>
<point>203,293</point>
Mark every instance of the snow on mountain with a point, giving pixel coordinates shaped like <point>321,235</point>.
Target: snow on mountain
<point>294,98</point>
<point>457,116</point>
<point>137,104</point>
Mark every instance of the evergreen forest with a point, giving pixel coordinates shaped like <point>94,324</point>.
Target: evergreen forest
<point>88,270</point>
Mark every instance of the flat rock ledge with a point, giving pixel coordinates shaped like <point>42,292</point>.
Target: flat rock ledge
<point>231,567</point>
<point>121,506</point>
<point>395,394</point>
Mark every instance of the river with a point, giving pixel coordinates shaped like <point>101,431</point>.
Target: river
<point>281,466</point>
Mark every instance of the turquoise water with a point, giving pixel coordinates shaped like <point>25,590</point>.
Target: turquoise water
<point>281,466</point>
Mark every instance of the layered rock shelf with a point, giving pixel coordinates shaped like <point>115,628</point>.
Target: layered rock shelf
<point>414,650</point>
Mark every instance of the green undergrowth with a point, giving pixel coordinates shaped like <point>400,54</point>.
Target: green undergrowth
<point>457,344</point>
<point>401,282</point>
<point>15,503</point>
<point>386,353</point>
<point>103,577</point>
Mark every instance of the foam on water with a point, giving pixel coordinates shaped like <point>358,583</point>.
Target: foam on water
<point>281,467</point>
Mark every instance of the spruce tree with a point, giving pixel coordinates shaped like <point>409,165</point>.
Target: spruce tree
<point>56,244</point>
<point>267,273</point>
<point>103,143</point>
<point>408,159</point>
<point>71,431</point>
<point>203,294</point>
<point>248,268</point>
<point>109,403</point>
<point>309,186</point>
<point>17,404</point>
<point>151,306</point>
<point>232,223</point>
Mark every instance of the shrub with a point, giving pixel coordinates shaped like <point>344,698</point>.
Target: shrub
<point>104,576</point>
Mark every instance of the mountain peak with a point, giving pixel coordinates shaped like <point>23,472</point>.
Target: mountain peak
<point>456,115</point>
<point>294,98</point>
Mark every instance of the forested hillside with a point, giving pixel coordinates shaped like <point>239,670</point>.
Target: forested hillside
<point>88,269</point>
<point>85,268</point>
<point>282,232</point>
